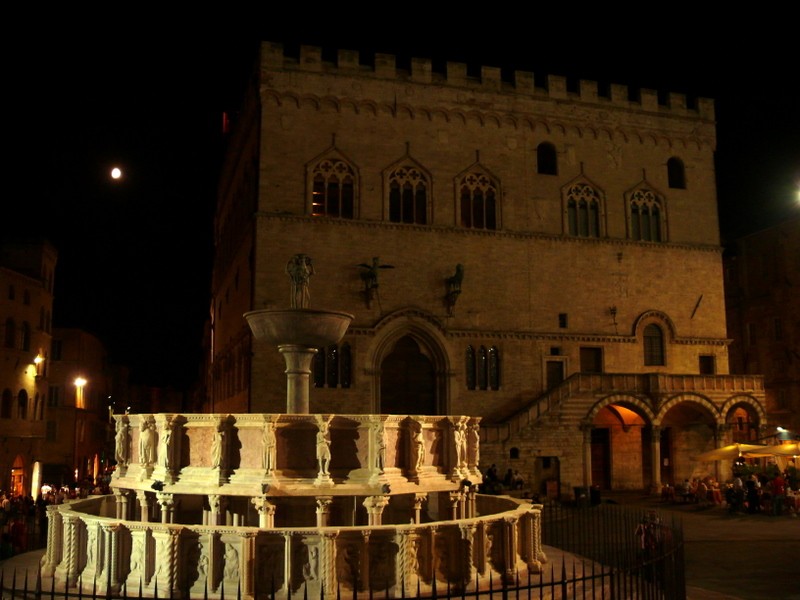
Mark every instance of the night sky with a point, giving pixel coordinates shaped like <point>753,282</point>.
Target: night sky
<point>135,255</point>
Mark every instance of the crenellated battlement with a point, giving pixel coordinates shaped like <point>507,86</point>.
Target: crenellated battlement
<point>455,75</point>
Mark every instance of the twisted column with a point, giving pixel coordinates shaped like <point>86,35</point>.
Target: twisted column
<point>55,531</point>
<point>509,548</point>
<point>165,575</point>
<point>327,562</point>
<point>67,569</point>
<point>111,560</point>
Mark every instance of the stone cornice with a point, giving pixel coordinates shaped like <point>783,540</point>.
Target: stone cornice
<point>496,234</point>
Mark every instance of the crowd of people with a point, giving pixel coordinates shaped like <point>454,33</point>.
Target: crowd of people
<point>23,520</point>
<point>493,484</point>
<point>771,492</point>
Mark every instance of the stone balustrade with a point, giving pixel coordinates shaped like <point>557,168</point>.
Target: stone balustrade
<point>480,537</point>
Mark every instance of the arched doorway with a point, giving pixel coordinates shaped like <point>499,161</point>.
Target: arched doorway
<point>18,477</point>
<point>620,445</point>
<point>408,380</point>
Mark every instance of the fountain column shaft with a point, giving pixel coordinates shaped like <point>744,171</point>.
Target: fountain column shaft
<point>298,376</point>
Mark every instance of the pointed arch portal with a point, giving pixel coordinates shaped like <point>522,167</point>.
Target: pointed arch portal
<point>408,380</point>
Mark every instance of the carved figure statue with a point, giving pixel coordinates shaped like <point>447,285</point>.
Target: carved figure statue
<point>380,445</point>
<point>91,542</point>
<point>460,438</point>
<point>202,565</point>
<point>146,448</point>
<point>121,446</point>
<point>324,446</point>
<point>476,444</point>
<point>311,568</point>
<point>136,554</point>
<point>454,281</point>
<point>300,270</point>
<point>231,563</point>
<point>419,450</point>
<point>370,273</point>
<point>216,448</point>
<point>163,446</point>
<point>270,446</point>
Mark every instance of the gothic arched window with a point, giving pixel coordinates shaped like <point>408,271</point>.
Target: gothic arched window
<point>583,211</point>
<point>645,217</point>
<point>333,189</point>
<point>478,201</point>
<point>408,195</point>
<point>494,368</point>
<point>469,367</point>
<point>482,368</point>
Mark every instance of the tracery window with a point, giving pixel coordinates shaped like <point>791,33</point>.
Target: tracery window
<point>478,196</point>
<point>469,367</point>
<point>333,366</point>
<point>482,368</point>
<point>646,216</point>
<point>546,160</point>
<point>408,195</point>
<point>676,174</point>
<point>333,189</point>
<point>583,210</point>
<point>653,338</point>
<point>494,368</point>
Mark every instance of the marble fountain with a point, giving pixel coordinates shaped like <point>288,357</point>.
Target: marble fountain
<point>278,504</point>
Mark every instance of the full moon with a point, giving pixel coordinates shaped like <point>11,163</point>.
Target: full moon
<point>116,173</point>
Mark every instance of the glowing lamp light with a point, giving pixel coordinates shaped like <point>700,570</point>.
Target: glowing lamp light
<point>38,360</point>
<point>80,382</point>
<point>116,173</point>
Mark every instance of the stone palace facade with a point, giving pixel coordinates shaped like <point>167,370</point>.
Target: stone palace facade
<point>545,256</point>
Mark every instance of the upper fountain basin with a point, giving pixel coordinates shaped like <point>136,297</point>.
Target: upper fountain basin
<point>298,326</point>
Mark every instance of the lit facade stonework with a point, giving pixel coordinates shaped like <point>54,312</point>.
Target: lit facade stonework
<point>543,257</point>
<point>27,271</point>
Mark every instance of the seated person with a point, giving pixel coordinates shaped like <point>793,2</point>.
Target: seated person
<point>701,494</point>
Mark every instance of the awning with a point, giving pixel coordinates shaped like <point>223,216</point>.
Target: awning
<point>734,451</point>
<point>786,449</point>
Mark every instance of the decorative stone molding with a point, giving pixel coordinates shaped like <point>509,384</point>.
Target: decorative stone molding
<point>157,556</point>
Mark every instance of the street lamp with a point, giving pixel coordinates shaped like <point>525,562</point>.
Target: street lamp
<point>80,383</point>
